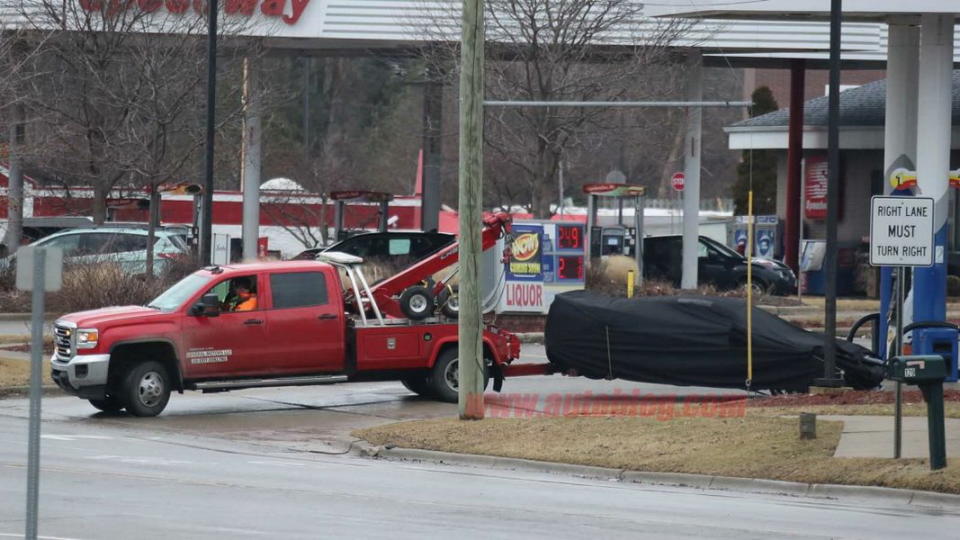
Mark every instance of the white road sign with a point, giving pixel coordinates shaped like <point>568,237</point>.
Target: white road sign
<point>901,231</point>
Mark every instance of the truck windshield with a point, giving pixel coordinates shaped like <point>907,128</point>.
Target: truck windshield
<point>173,297</point>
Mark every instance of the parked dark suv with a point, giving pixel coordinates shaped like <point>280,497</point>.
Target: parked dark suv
<point>401,248</point>
<point>717,265</point>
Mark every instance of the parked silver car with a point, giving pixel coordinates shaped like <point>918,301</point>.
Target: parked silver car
<point>125,246</point>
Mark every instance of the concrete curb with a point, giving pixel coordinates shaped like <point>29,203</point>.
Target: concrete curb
<point>699,481</point>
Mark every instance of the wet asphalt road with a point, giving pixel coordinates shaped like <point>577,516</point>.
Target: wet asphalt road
<point>106,479</point>
<point>269,463</point>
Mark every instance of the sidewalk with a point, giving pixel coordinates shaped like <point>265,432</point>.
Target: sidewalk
<point>872,436</point>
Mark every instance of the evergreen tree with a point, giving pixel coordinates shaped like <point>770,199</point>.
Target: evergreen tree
<point>760,166</point>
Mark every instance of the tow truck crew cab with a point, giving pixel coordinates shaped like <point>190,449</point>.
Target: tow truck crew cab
<point>299,333</point>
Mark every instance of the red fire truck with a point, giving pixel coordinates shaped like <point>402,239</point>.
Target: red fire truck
<point>311,322</point>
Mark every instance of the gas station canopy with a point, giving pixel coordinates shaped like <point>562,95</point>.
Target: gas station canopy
<point>797,10</point>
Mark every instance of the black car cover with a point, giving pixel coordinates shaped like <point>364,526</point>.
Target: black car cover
<point>692,341</point>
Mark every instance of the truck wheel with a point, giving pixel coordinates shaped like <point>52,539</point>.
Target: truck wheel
<point>449,302</point>
<point>417,302</point>
<point>418,384</point>
<point>445,379</point>
<point>109,404</point>
<point>146,389</point>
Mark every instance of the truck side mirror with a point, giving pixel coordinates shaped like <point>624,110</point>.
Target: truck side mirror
<point>208,306</point>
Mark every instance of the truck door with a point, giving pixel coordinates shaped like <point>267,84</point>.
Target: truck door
<point>233,343</point>
<point>307,329</point>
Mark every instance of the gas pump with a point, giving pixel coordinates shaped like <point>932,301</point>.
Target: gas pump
<point>615,238</point>
<point>340,199</point>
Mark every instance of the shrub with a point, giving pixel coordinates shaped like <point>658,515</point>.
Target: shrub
<point>609,276</point>
<point>101,285</point>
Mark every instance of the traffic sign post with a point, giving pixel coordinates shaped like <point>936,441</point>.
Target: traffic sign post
<point>901,235</point>
<point>38,270</point>
<point>678,180</point>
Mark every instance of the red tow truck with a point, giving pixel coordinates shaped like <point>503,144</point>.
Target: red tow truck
<point>315,322</point>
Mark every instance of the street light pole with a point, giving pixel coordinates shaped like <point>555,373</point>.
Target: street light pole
<point>833,191</point>
<point>206,217</point>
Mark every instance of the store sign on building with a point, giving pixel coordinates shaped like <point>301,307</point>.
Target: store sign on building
<point>815,179</point>
<point>289,11</point>
<point>815,188</point>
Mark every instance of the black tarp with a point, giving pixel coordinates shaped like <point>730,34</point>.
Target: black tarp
<point>691,341</point>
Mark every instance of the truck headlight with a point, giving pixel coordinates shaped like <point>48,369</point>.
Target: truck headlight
<point>87,338</point>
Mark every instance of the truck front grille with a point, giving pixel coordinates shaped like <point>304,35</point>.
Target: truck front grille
<point>63,341</point>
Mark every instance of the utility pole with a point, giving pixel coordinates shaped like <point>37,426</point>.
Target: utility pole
<point>470,355</point>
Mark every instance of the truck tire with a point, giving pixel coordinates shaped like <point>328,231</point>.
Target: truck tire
<point>146,389</point>
<point>445,379</point>
<point>418,384</point>
<point>449,302</point>
<point>417,302</point>
<point>109,404</point>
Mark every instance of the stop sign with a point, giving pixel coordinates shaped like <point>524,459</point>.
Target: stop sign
<point>677,181</point>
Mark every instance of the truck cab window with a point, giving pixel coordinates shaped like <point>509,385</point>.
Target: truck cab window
<point>298,289</point>
<point>237,294</point>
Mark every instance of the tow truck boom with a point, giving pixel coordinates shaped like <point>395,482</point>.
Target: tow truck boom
<point>401,294</point>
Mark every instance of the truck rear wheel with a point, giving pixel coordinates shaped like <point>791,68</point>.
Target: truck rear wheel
<point>146,389</point>
<point>445,379</point>
<point>109,404</point>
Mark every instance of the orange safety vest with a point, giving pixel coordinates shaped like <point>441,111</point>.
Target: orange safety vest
<point>249,304</point>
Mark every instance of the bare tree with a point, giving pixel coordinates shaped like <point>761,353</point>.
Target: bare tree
<point>17,48</point>
<point>115,95</point>
<point>331,128</point>
<point>566,50</point>
<point>298,211</point>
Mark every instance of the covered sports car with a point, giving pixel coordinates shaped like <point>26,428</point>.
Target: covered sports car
<point>692,341</point>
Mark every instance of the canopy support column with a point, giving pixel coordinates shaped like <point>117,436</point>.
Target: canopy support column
<point>691,171</point>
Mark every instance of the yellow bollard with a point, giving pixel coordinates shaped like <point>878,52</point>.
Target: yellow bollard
<point>630,284</point>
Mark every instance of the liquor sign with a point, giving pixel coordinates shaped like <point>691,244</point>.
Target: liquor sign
<point>546,258</point>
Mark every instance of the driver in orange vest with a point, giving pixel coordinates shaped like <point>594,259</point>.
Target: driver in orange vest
<point>243,298</point>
